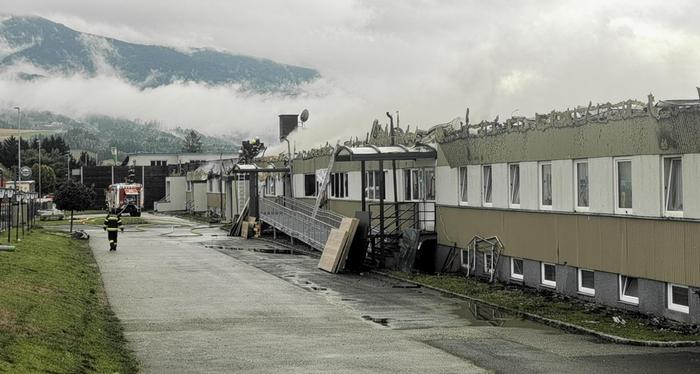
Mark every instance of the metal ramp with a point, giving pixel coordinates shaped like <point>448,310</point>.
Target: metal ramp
<point>296,219</point>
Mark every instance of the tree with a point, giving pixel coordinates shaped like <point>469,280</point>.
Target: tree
<point>74,196</point>
<point>86,160</point>
<point>193,142</point>
<point>48,177</point>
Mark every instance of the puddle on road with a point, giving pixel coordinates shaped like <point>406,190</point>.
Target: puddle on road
<point>483,315</point>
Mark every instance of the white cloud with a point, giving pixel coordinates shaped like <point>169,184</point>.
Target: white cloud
<point>430,59</point>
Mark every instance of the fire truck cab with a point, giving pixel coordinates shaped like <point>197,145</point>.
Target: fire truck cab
<point>125,198</point>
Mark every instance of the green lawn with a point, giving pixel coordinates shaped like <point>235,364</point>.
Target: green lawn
<point>54,316</point>
<point>549,305</point>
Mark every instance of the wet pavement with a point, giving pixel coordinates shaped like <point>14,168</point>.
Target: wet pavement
<point>193,300</point>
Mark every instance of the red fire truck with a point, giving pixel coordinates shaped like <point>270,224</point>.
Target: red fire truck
<point>125,198</point>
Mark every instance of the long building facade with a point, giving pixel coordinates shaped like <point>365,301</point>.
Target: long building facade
<point>600,203</point>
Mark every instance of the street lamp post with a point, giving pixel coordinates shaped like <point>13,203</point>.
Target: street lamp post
<point>19,144</point>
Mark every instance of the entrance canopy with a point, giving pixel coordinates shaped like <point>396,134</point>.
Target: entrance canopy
<point>385,153</point>
<point>254,168</point>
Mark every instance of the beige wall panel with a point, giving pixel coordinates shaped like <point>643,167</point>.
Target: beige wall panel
<point>669,251</point>
<point>345,207</point>
<point>530,235</point>
<point>567,239</point>
<point>640,248</point>
<point>691,257</point>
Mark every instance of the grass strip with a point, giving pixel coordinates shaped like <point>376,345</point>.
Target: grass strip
<point>54,316</point>
<point>558,307</point>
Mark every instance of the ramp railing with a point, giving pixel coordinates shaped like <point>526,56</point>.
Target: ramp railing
<point>295,219</point>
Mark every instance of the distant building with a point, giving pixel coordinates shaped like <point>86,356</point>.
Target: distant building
<point>164,159</point>
<point>24,186</point>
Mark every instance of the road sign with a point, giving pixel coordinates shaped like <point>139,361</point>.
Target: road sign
<point>25,171</point>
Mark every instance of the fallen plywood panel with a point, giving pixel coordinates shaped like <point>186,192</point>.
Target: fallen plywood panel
<point>334,244</point>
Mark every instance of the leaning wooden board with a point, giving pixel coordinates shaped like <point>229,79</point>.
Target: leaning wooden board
<point>334,245</point>
<point>337,246</point>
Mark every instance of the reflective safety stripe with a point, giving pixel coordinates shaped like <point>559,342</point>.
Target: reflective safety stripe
<point>114,229</point>
<point>111,241</point>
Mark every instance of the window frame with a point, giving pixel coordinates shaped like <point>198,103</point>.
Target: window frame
<point>374,186</point>
<point>540,190</point>
<point>665,197</point>
<point>315,193</point>
<point>484,185</point>
<point>581,288</point>
<point>634,300</point>
<point>616,183</point>
<point>188,186</point>
<point>270,186</point>
<point>419,176</point>
<point>546,282</point>
<point>463,191</point>
<point>513,274</point>
<point>339,186</point>
<point>673,306</point>
<point>510,186</point>
<point>577,207</point>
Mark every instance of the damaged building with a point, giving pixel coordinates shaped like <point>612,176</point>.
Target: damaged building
<point>598,202</point>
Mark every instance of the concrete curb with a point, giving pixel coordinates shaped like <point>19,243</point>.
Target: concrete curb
<point>552,322</point>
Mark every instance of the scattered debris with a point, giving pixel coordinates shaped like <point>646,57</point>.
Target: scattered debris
<point>80,235</point>
<point>619,320</point>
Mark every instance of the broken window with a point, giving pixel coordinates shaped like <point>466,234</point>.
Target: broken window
<point>678,298</point>
<point>673,185</point>
<point>309,185</point>
<point>516,268</point>
<point>549,274</point>
<point>463,185</point>
<point>546,185</point>
<point>514,177</point>
<point>624,185</point>
<point>487,186</point>
<point>581,185</point>
<point>586,282</point>
<point>629,289</point>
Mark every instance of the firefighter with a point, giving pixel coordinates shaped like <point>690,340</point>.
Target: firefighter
<point>112,226</point>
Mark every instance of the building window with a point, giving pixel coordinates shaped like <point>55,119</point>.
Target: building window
<point>309,184</point>
<point>159,162</point>
<point>339,185</point>
<point>487,186</point>
<point>489,266</point>
<point>545,185</point>
<point>463,197</point>
<point>213,185</point>
<point>673,186</point>
<point>549,274</point>
<point>514,184</point>
<point>581,185</point>
<point>372,180</point>
<point>586,282</point>
<point>623,186</point>
<point>188,186</point>
<point>516,268</point>
<point>678,298</point>
<point>629,289</point>
<point>419,184</point>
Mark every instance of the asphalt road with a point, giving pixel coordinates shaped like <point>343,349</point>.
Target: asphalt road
<point>194,300</point>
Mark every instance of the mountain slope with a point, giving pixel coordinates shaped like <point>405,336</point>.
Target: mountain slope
<point>56,49</point>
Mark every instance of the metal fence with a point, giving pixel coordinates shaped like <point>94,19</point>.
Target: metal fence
<point>16,217</point>
<point>295,219</point>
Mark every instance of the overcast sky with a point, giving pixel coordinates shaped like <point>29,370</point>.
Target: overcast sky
<point>429,59</point>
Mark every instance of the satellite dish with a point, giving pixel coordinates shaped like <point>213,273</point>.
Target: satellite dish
<point>304,116</point>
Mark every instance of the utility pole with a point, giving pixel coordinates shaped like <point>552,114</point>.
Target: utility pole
<point>39,166</point>
<point>19,147</point>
